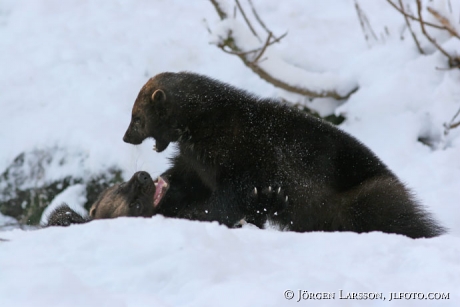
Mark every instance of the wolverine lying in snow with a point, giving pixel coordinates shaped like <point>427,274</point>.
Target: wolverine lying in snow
<point>138,197</point>
<point>169,195</point>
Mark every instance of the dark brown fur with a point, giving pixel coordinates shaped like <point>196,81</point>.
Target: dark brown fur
<point>183,197</point>
<point>234,143</point>
<point>131,198</point>
<point>65,216</point>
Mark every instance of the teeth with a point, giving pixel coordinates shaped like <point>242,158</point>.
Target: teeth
<point>161,185</point>
<point>155,147</point>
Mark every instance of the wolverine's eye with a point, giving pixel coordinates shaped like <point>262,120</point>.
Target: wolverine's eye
<point>136,208</point>
<point>136,205</point>
<point>136,120</point>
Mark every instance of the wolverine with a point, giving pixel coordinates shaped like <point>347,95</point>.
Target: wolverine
<point>235,143</point>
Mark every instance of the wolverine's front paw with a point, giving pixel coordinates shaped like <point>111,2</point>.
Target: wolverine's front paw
<point>65,216</point>
<point>270,198</point>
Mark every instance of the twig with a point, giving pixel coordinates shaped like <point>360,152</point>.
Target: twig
<point>452,125</point>
<point>401,33</point>
<point>413,17</point>
<point>364,22</point>
<point>267,42</point>
<point>410,28</point>
<point>205,22</point>
<point>277,82</point>
<point>220,12</point>
<point>432,40</point>
<point>247,20</point>
<point>262,24</point>
<point>259,20</point>
<point>232,52</point>
<point>253,50</point>
<point>444,21</point>
<point>454,62</point>
<point>443,68</point>
<point>229,42</point>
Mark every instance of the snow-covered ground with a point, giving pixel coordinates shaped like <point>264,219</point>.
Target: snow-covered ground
<point>169,262</point>
<point>69,73</point>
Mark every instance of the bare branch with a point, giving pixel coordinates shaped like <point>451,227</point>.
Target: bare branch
<point>410,28</point>
<point>279,38</point>
<point>444,21</point>
<point>253,50</point>
<point>413,17</point>
<point>444,68</point>
<point>454,62</point>
<point>259,20</point>
<point>455,125</point>
<point>275,81</point>
<point>302,91</point>
<point>267,43</point>
<point>451,125</point>
<point>239,53</point>
<point>262,24</point>
<point>247,20</point>
<point>364,22</point>
<point>455,116</point>
<point>219,10</point>
<point>229,45</point>
<point>432,40</point>
<point>450,6</point>
<point>205,22</point>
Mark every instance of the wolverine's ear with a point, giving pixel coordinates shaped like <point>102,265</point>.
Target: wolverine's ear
<point>92,211</point>
<point>159,99</point>
<point>158,96</point>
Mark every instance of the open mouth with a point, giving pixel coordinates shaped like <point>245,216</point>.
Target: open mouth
<point>161,186</point>
<point>160,145</point>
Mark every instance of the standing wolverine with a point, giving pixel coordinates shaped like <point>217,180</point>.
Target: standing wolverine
<point>237,143</point>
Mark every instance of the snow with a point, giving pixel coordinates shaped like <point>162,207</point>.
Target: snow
<point>169,262</point>
<point>69,74</point>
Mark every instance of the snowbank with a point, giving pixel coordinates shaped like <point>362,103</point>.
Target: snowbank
<point>168,262</point>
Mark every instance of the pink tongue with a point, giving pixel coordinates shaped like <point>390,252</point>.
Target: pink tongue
<point>160,186</point>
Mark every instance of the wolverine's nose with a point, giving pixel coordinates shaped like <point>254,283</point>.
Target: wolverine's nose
<point>143,177</point>
<point>125,138</point>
